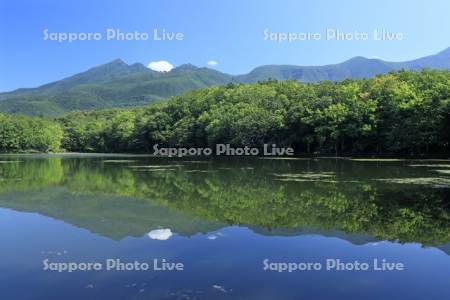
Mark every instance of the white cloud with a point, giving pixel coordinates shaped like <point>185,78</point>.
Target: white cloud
<point>160,234</point>
<point>212,63</point>
<point>160,66</point>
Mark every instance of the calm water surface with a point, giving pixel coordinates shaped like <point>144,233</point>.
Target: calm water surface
<point>222,219</point>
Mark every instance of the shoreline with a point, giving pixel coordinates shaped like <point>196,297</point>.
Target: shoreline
<point>214,157</point>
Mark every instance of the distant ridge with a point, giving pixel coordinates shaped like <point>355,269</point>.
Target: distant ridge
<point>355,68</point>
<point>117,84</point>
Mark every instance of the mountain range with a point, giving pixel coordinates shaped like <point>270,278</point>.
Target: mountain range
<point>117,84</point>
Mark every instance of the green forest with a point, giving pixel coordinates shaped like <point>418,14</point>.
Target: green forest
<point>401,113</point>
<point>23,133</point>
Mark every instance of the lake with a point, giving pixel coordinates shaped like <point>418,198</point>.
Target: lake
<point>248,228</point>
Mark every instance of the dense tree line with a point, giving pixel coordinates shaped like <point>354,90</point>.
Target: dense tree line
<point>20,134</point>
<point>406,113</point>
<point>402,113</point>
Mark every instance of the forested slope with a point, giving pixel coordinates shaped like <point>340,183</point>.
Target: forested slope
<point>405,112</point>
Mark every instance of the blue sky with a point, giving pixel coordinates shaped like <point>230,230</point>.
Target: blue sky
<point>230,32</point>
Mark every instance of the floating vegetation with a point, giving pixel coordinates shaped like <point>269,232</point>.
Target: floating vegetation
<point>284,158</point>
<point>330,157</point>
<point>154,166</point>
<point>306,175</point>
<point>118,161</point>
<point>326,177</point>
<point>377,159</point>
<point>433,181</point>
<point>431,159</point>
<point>185,294</point>
<point>446,172</point>
<point>432,166</point>
<point>200,171</point>
<point>155,170</point>
<point>220,288</point>
<point>306,180</point>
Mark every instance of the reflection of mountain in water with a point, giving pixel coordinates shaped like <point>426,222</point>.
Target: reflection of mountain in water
<point>354,238</point>
<point>132,198</point>
<point>445,248</point>
<point>114,217</point>
<point>120,217</point>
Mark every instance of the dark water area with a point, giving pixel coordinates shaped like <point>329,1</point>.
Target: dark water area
<point>233,224</point>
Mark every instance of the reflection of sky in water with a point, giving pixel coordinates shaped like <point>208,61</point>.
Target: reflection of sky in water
<point>160,234</point>
<point>228,266</point>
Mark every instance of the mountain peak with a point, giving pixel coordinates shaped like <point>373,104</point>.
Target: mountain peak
<point>138,67</point>
<point>113,65</point>
<point>186,67</point>
<point>116,61</point>
<point>357,59</point>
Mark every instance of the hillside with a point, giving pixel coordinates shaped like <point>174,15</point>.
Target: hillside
<point>117,84</point>
<point>114,84</point>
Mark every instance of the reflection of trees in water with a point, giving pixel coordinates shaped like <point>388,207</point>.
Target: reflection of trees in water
<point>235,195</point>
